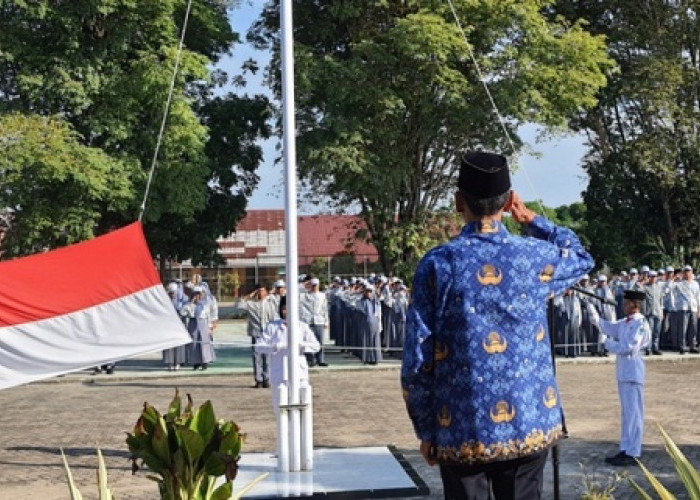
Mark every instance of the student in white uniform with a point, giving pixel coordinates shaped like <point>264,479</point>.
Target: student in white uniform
<point>274,343</point>
<point>627,338</point>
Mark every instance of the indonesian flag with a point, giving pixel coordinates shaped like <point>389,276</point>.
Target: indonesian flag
<point>84,305</point>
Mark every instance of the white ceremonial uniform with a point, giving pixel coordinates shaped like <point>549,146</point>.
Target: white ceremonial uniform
<point>627,338</point>
<point>273,342</point>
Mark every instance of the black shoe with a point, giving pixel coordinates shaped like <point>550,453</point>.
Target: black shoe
<point>266,384</point>
<point>622,461</point>
<point>694,351</point>
<point>204,366</point>
<point>194,367</point>
<point>323,364</point>
<point>258,385</point>
<point>615,457</point>
<point>647,352</point>
<point>657,353</point>
<point>109,370</point>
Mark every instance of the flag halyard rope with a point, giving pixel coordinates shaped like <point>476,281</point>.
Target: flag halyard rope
<point>161,132</point>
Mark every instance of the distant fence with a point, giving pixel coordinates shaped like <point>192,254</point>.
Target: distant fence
<point>240,275</point>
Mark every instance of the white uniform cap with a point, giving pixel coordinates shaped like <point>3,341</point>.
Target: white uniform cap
<point>633,271</point>
<point>687,268</point>
<point>197,289</point>
<point>661,271</point>
<point>384,279</point>
<point>652,274</point>
<point>314,281</point>
<point>585,277</point>
<point>172,288</point>
<point>669,269</point>
<point>623,273</point>
<point>602,277</point>
<point>279,283</point>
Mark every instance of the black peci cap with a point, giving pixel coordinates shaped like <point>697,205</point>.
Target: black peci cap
<point>483,175</point>
<point>634,295</point>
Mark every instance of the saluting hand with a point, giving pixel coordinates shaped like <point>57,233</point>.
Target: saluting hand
<point>518,210</point>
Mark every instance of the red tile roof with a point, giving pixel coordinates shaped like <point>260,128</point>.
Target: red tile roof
<point>262,220</point>
<point>319,235</point>
<point>329,235</point>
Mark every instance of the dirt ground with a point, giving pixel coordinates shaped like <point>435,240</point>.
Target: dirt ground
<point>351,408</point>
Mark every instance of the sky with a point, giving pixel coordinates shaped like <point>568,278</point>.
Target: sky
<point>552,173</point>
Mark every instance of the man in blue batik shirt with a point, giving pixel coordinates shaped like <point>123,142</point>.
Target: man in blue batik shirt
<point>477,371</point>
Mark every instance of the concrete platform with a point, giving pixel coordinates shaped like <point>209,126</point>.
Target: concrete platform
<point>364,472</point>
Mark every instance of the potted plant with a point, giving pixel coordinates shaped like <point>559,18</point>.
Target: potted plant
<point>187,450</point>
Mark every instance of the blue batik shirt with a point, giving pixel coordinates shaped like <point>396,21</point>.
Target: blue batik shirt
<point>477,372</point>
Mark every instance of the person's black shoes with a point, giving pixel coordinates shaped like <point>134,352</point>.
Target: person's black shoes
<point>323,364</point>
<point>266,384</point>
<point>622,459</point>
<point>657,353</point>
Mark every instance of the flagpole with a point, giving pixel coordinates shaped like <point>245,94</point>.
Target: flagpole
<point>289,155</point>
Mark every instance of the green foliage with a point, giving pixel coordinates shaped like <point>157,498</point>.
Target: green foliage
<point>644,144</point>
<point>685,470</point>
<point>104,493</point>
<point>319,269</point>
<point>104,68</point>
<point>188,448</point>
<point>54,187</point>
<point>230,283</point>
<point>387,96</point>
<point>407,242</point>
<point>595,489</point>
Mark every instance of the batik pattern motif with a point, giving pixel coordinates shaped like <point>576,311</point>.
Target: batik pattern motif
<point>477,373</point>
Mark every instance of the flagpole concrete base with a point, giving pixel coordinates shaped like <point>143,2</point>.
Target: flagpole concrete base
<point>368,472</point>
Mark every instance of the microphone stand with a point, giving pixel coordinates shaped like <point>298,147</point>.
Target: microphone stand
<point>550,322</point>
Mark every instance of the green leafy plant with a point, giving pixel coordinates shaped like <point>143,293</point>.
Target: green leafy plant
<point>104,492</point>
<point>187,449</point>
<point>685,470</point>
<point>595,489</point>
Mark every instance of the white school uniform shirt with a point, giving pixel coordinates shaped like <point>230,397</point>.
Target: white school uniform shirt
<point>273,341</point>
<point>313,308</point>
<point>627,338</point>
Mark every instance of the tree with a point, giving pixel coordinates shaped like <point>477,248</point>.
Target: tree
<point>53,187</point>
<point>104,69</point>
<point>644,145</point>
<point>388,96</point>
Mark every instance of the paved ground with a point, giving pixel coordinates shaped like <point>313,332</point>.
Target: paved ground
<point>354,406</point>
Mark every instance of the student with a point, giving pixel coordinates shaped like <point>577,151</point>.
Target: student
<point>627,338</point>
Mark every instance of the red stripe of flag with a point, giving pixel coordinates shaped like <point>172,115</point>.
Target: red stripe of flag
<point>75,277</point>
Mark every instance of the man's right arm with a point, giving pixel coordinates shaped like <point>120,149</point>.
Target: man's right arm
<point>572,261</point>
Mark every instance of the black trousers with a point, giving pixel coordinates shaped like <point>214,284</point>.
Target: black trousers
<point>517,479</point>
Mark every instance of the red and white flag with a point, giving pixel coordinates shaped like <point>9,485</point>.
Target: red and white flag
<point>81,306</point>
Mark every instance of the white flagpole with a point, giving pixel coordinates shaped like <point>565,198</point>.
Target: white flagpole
<point>289,152</point>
